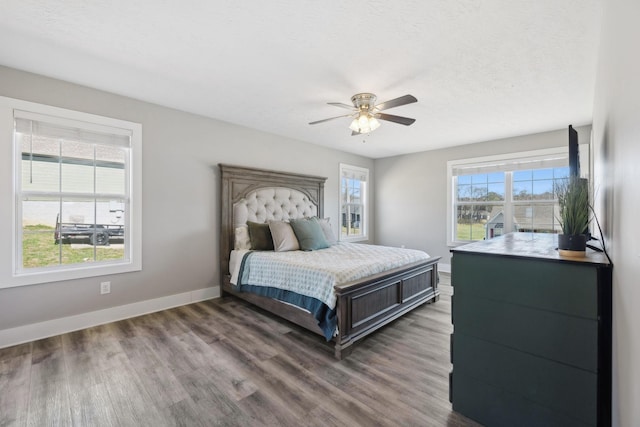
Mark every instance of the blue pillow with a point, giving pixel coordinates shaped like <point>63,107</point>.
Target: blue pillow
<point>309,233</point>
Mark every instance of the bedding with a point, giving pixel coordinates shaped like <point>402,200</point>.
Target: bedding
<point>309,233</point>
<point>325,224</point>
<point>260,235</point>
<point>307,278</point>
<point>241,238</point>
<point>284,239</point>
<point>361,306</point>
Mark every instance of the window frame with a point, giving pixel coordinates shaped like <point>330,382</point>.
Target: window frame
<point>535,157</point>
<point>364,220</point>
<point>12,274</point>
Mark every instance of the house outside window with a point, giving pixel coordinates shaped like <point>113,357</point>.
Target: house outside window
<point>491,196</point>
<point>353,203</point>
<point>76,183</point>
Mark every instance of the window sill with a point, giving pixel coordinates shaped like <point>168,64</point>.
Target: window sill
<point>354,239</point>
<point>44,276</point>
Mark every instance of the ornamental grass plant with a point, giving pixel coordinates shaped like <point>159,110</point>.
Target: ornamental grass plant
<point>573,198</point>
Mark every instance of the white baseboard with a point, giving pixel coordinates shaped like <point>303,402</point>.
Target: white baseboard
<point>36,331</point>
<point>445,268</point>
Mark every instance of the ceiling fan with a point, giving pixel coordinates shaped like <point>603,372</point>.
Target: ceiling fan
<point>366,113</point>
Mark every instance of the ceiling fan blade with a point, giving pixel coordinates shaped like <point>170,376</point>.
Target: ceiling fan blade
<point>403,100</point>
<point>330,118</point>
<point>396,119</point>
<point>340,104</point>
<point>354,133</point>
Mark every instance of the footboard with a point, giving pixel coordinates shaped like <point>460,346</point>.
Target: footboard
<point>366,306</point>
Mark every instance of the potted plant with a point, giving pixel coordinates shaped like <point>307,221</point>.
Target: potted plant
<point>573,198</point>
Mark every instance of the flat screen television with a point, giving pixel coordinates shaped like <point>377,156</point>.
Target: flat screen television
<point>574,164</point>
<point>574,153</point>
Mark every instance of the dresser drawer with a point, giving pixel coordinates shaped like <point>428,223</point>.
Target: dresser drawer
<point>542,382</point>
<point>567,339</point>
<point>547,285</point>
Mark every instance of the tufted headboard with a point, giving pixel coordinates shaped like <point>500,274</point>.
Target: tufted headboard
<point>258,195</point>
<point>278,203</point>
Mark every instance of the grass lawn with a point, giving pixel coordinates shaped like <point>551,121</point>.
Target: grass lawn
<point>40,250</point>
<point>474,231</point>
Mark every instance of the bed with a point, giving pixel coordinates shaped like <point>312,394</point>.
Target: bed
<point>362,305</point>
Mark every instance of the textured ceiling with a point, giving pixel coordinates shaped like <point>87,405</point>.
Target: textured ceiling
<point>481,70</point>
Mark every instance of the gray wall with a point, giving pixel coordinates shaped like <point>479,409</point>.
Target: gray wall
<point>411,190</point>
<point>179,197</point>
<point>616,129</point>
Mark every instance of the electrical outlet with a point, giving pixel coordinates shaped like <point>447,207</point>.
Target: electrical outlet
<point>105,288</point>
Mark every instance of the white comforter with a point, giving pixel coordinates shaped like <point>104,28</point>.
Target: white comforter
<point>315,273</point>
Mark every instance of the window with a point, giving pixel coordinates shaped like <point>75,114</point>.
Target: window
<point>491,196</point>
<point>353,202</point>
<point>478,197</point>
<point>76,182</point>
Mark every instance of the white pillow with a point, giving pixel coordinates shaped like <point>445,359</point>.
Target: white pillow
<point>325,224</point>
<point>242,240</point>
<point>284,239</point>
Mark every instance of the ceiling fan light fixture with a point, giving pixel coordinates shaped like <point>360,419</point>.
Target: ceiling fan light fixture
<point>364,123</point>
<point>366,113</point>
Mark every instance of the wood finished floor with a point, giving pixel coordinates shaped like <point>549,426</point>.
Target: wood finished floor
<point>222,362</point>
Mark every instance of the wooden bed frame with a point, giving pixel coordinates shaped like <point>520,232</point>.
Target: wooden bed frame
<point>363,306</point>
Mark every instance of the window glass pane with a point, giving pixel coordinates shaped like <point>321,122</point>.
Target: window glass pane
<point>38,228</point>
<point>110,229</point>
<point>91,230</point>
<point>542,174</point>
<point>355,220</point>
<point>110,170</point>
<point>495,223</point>
<point>543,189</point>
<point>485,187</point>
<point>496,192</point>
<point>496,177</point>
<point>561,172</point>
<point>40,163</point>
<point>78,211</point>
<point>472,219</point>
<point>523,215</point>
<point>38,249</point>
<point>464,192</point>
<point>539,217</point>
<point>344,190</point>
<point>522,190</point>
<point>354,191</point>
<point>480,178</point>
<point>464,179</point>
<point>522,175</point>
<point>479,193</point>
<point>351,219</point>
<point>77,167</point>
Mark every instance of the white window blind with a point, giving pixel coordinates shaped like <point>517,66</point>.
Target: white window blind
<point>553,158</point>
<point>352,172</point>
<point>55,127</point>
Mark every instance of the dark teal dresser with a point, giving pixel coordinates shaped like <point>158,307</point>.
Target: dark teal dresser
<point>531,344</point>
